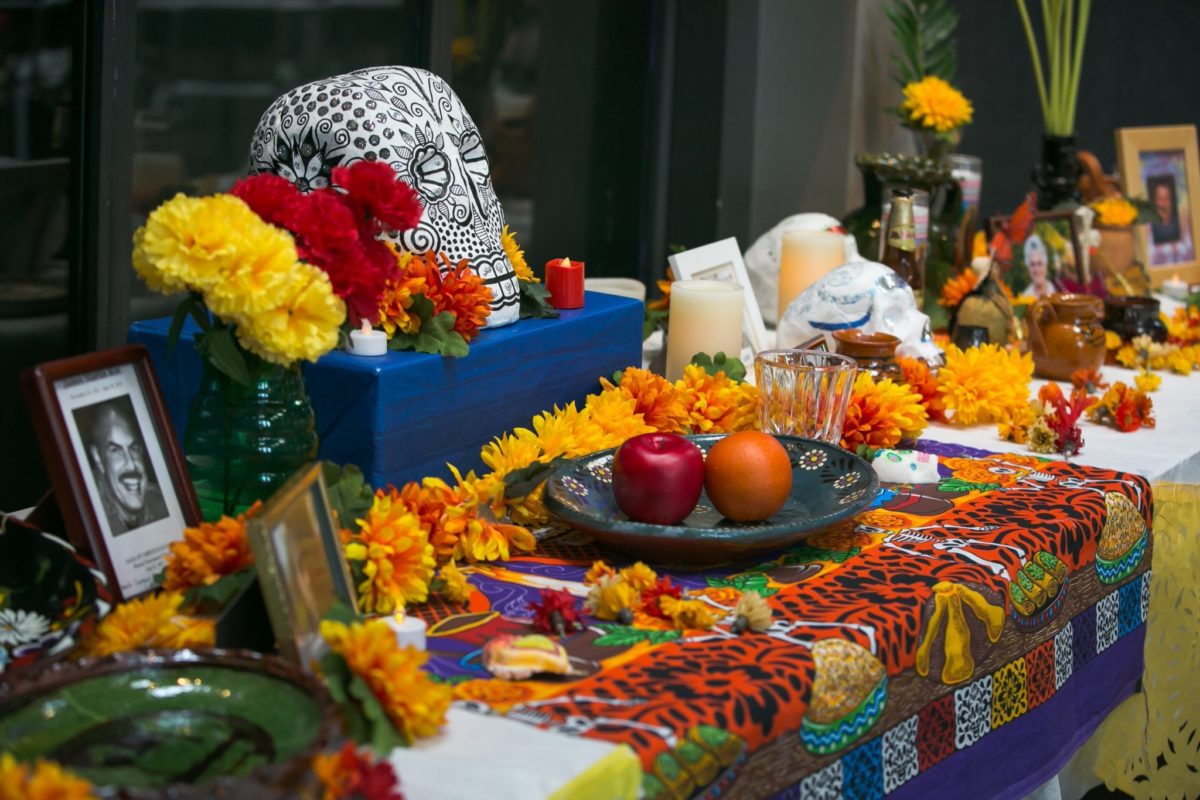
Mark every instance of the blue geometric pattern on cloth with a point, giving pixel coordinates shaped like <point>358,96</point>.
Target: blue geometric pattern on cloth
<point>1129,614</point>
<point>1084,637</point>
<point>862,772</point>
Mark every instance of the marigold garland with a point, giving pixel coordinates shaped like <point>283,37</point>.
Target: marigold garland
<point>152,621</point>
<point>984,384</point>
<point>41,780</point>
<point>413,702</point>
<point>209,552</point>
<point>390,555</point>
<point>881,414</point>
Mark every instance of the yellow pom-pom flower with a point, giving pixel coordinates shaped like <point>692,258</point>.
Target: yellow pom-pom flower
<point>452,583</point>
<point>934,104</point>
<point>984,384</point>
<point>151,621</point>
<point>395,553</point>
<point>614,413</point>
<point>639,576</point>
<point>610,596</point>
<point>304,326</point>
<point>715,403</point>
<point>881,414</point>
<point>41,780</point>
<point>688,614</point>
<point>1114,211</point>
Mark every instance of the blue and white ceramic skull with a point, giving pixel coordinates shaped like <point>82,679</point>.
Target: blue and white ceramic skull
<point>864,295</point>
<point>411,119</point>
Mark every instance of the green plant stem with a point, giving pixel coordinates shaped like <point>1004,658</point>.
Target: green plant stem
<point>1085,9</point>
<point>1037,60</point>
<point>1068,18</point>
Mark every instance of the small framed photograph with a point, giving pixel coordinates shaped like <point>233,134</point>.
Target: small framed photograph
<point>301,569</point>
<point>1160,165</point>
<point>722,261</point>
<point>120,480</point>
<point>1049,260</point>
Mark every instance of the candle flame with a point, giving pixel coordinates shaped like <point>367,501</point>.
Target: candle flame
<point>566,262</point>
<point>366,326</point>
<point>1175,278</point>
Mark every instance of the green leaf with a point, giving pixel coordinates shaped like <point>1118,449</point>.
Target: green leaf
<point>520,482</point>
<point>745,582</point>
<point>349,493</point>
<point>733,368</point>
<point>383,736</point>
<point>625,636</point>
<point>805,553</point>
<point>217,345</point>
<point>651,321</point>
<point>209,600</point>
<point>535,301</point>
<point>181,314</point>
<point>340,612</point>
<point>959,485</point>
<point>436,336</point>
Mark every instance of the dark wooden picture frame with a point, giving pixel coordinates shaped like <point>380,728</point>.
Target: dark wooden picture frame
<point>301,567</point>
<point>77,487</point>
<point>1077,275</point>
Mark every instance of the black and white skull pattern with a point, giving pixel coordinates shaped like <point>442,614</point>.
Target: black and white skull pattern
<point>411,119</point>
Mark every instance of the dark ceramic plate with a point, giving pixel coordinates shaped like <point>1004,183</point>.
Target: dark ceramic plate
<point>170,721</point>
<point>829,484</point>
<point>50,597</point>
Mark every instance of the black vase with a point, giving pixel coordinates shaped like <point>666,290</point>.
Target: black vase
<point>1057,174</point>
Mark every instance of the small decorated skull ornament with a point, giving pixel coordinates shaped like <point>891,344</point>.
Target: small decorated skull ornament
<point>411,119</point>
<point>864,295</point>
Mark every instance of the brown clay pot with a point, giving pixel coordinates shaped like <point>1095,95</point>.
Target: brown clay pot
<point>874,353</point>
<point>1065,335</point>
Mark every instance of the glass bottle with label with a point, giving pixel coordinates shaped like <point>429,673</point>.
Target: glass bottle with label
<point>900,248</point>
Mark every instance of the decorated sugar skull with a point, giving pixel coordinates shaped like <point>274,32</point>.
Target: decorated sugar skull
<point>865,295</point>
<point>411,119</point>
<point>762,259</point>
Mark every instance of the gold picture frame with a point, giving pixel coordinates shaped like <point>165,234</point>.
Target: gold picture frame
<point>1162,165</point>
<point>301,568</point>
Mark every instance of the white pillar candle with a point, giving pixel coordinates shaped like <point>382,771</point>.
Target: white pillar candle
<point>706,317</point>
<point>409,630</point>
<point>368,342</point>
<point>804,258</point>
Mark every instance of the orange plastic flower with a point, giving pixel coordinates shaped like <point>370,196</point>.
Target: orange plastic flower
<point>466,527</point>
<point>457,290</point>
<point>497,694</point>
<point>1090,380</point>
<point>981,384</point>
<point>209,552</point>
<point>414,703</point>
<point>716,404</point>
<point>41,780</point>
<point>881,414</point>
<point>396,557</point>
<point>395,302</point>
<point>599,570</point>
<point>663,301</point>
<point>921,380</point>
<point>151,621</point>
<point>614,413</point>
<point>958,287</point>
<point>657,399</point>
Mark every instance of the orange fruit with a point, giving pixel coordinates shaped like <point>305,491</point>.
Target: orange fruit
<point>748,476</point>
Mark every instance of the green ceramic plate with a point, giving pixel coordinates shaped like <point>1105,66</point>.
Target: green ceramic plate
<point>829,484</point>
<point>160,718</point>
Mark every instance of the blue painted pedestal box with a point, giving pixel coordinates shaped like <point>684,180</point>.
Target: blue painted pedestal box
<point>403,416</point>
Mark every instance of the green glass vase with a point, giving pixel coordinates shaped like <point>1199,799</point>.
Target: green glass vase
<point>244,440</point>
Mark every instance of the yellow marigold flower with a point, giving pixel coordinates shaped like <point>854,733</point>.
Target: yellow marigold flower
<point>639,576</point>
<point>209,552</point>
<point>1014,423</point>
<point>477,536</point>
<point>530,509</point>
<point>716,404</point>
<point>657,399</point>
<point>190,242</point>
<point>1128,356</point>
<point>980,383</point>
<point>979,245</point>
<point>1112,340</point>
<point>610,596</point>
<point>598,570</point>
<point>414,703</point>
<point>687,614</point>
<point>933,103</point>
<point>1114,211</point>
<point>453,583</point>
<point>1147,381</point>
<point>663,301</point>
<point>151,621</point>
<point>397,299</point>
<point>304,326</point>
<point>755,609</point>
<point>1041,438</point>
<point>614,413</point>
<point>561,432</point>
<point>397,557</point>
<point>957,288</point>
<point>42,780</point>
<point>516,256</point>
<point>259,274</point>
<point>924,383</point>
<point>1179,362</point>
<point>881,414</point>
<point>508,452</point>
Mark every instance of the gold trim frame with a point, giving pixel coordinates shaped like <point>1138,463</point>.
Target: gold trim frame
<point>1131,144</point>
<point>301,568</point>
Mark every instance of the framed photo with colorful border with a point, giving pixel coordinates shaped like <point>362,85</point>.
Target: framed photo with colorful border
<point>1050,258</point>
<point>1161,165</point>
<point>301,569</point>
<point>120,480</point>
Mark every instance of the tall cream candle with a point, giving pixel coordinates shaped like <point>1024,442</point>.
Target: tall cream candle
<point>805,258</point>
<point>706,317</point>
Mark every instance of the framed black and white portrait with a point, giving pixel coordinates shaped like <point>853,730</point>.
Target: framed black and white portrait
<point>119,478</point>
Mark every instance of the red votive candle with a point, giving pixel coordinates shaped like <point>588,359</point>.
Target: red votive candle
<point>564,281</point>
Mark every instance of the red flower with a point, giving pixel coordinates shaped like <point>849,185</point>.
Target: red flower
<point>556,613</point>
<point>651,596</point>
<point>269,196</point>
<point>376,194</point>
<point>351,775</point>
<point>1126,416</point>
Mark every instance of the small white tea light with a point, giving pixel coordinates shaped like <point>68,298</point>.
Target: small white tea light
<point>367,341</point>
<point>409,630</point>
<point>1174,287</point>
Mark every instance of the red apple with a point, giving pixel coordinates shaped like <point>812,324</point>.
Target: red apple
<point>657,477</point>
